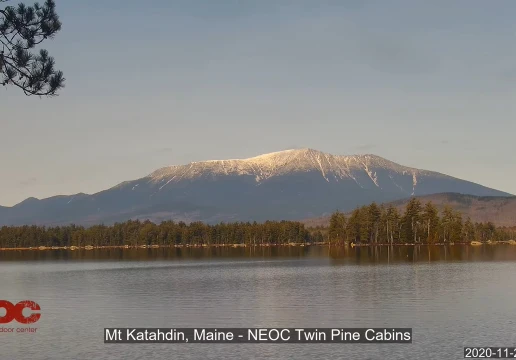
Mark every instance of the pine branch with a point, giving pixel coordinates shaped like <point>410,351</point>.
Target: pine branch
<point>21,29</point>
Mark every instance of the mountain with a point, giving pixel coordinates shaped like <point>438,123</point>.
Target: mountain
<point>500,210</point>
<point>291,184</point>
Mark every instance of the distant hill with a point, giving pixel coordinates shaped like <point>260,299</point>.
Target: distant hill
<point>285,185</point>
<point>499,210</point>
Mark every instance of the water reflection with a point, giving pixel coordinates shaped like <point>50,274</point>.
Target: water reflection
<point>337,255</point>
<point>452,297</point>
<point>411,254</point>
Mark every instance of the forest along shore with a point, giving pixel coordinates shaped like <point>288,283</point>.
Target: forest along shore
<point>372,225</point>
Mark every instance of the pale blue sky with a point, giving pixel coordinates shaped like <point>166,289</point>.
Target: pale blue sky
<point>429,84</point>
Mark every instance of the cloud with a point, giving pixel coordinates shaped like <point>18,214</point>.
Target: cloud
<point>445,142</point>
<point>29,181</point>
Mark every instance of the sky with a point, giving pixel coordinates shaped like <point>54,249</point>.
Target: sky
<point>427,84</point>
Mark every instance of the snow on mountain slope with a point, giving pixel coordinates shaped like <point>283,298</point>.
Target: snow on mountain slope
<point>263,167</point>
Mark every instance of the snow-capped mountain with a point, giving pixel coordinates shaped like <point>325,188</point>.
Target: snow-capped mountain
<point>290,184</point>
<point>364,170</point>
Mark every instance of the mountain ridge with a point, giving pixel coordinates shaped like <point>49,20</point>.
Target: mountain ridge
<point>289,184</point>
<point>278,163</point>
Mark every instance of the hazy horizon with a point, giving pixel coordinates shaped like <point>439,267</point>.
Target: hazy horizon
<point>429,85</point>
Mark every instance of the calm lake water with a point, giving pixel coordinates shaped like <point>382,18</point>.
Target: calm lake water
<point>451,297</point>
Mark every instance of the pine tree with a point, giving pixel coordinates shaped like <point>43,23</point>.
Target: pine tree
<point>396,225</point>
<point>22,28</point>
<point>374,214</point>
<point>411,221</point>
<point>489,230</point>
<point>383,227</point>
<point>365,224</point>
<point>337,230</point>
<point>447,221</point>
<point>353,226</point>
<point>468,230</point>
<point>360,227</point>
<point>456,228</point>
<point>430,218</point>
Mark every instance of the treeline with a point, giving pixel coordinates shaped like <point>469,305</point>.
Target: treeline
<point>417,224</point>
<point>137,233</point>
<point>368,224</point>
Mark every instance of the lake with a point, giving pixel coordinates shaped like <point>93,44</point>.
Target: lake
<point>451,296</point>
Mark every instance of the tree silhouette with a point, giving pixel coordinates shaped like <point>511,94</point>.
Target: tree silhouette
<point>22,28</point>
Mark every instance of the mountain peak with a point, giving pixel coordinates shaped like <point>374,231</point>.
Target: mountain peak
<point>275,154</point>
<point>291,154</point>
<point>288,184</point>
<point>28,201</point>
<point>285,162</point>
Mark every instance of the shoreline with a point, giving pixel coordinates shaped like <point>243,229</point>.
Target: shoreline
<point>127,247</point>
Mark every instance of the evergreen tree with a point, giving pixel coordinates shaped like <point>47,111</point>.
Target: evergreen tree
<point>430,218</point>
<point>353,226</point>
<point>469,230</point>
<point>411,221</point>
<point>394,225</point>
<point>447,221</point>
<point>489,230</point>
<point>374,215</point>
<point>22,28</point>
<point>367,224</point>
<point>383,227</point>
<point>456,228</point>
<point>337,230</point>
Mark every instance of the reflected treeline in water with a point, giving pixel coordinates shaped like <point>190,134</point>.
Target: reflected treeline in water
<point>150,254</point>
<point>336,254</point>
<point>422,253</point>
